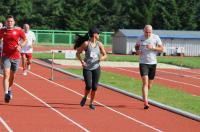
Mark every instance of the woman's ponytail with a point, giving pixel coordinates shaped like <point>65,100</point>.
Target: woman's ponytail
<point>80,40</point>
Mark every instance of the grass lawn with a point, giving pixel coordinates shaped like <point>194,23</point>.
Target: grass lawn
<point>163,94</point>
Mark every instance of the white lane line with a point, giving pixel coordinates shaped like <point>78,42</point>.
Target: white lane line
<point>189,84</point>
<point>5,125</point>
<point>194,72</point>
<point>179,74</point>
<point>50,107</point>
<point>131,118</point>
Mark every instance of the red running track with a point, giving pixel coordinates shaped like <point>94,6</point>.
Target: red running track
<point>42,105</point>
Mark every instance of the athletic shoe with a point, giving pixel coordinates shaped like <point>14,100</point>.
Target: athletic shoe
<point>29,67</point>
<point>146,107</point>
<point>10,94</point>
<point>7,98</point>
<point>92,106</point>
<point>25,73</point>
<point>82,103</point>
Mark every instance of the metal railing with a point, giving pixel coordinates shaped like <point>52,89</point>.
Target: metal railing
<point>57,37</point>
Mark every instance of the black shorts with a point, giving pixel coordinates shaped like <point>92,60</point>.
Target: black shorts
<point>148,70</point>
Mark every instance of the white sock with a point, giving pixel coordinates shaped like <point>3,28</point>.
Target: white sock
<point>6,91</point>
<point>9,89</point>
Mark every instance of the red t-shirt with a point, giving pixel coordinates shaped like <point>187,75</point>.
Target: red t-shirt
<point>11,39</point>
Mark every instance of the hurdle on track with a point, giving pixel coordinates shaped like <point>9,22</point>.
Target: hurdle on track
<point>69,54</point>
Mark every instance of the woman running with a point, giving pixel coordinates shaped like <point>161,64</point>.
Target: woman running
<point>94,53</point>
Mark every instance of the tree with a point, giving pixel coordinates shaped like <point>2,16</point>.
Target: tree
<point>20,9</point>
<point>169,14</point>
<point>79,15</point>
<point>108,15</point>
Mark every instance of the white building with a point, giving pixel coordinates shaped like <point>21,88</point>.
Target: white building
<point>174,41</point>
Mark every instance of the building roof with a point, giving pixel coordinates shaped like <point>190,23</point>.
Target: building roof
<point>133,33</point>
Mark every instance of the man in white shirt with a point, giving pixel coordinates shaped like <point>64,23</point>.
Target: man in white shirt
<point>26,51</point>
<point>147,46</point>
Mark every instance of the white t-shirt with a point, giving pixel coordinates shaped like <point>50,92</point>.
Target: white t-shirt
<point>148,56</point>
<point>30,36</point>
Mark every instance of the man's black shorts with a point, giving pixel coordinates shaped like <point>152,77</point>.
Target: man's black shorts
<point>148,69</point>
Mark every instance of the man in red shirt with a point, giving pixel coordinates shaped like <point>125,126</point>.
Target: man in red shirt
<point>11,53</point>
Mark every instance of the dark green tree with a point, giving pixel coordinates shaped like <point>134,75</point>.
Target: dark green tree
<point>169,14</point>
<point>79,15</point>
<point>197,16</point>
<point>108,15</point>
<point>20,9</point>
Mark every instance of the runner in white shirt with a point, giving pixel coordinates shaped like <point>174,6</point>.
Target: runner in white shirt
<point>26,51</point>
<point>147,46</point>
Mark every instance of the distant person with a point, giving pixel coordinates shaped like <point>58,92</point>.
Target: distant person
<point>147,46</point>
<point>94,53</point>
<point>27,50</point>
<point>11,53</point>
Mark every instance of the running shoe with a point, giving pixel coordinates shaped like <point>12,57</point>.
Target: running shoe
<point>7,98</point>
<point>25,73</point>
<point>92,106</point>
<point>146,107</point>
<point>82,103</point>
